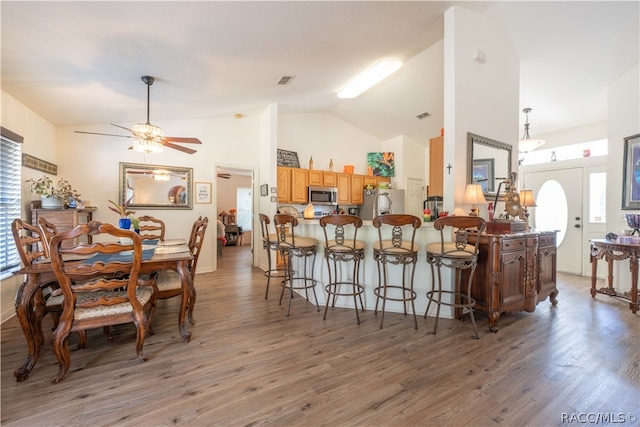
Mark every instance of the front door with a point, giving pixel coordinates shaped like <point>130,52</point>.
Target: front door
<point>558,195</point>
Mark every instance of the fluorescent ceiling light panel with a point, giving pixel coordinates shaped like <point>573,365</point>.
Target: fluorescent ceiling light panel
<point>373,75</point>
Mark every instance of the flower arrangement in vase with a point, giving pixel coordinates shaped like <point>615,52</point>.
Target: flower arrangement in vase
<point>124,212</point>
<point>62,194</point>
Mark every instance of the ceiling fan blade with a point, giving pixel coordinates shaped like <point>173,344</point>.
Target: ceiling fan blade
<point>182,139</point>
<point>121,127</point>
<point>179,148</point>
<point>105,134</point>
<point>224,175</point>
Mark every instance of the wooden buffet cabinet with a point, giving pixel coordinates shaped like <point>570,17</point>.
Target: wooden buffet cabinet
<point>515,272</point>
<point>63,219</point>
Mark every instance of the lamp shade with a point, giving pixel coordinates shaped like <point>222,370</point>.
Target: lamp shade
<point>474,195</point>
<point>526,199</point>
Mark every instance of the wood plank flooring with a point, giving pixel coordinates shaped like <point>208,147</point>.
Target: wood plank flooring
<point>247,364</point>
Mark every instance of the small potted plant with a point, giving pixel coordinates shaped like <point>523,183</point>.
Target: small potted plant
<point>54,196</point>
<point>135,223</point>
<point>124,212</point>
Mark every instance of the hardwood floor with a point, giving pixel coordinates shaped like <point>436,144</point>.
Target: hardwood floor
<point>248,364</point>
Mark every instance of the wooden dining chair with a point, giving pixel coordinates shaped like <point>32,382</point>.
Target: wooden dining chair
<point>47,231</point>
<point>151,228</point>
<point>167,283</point>
<point>31,248</point>
<point>101,290</point>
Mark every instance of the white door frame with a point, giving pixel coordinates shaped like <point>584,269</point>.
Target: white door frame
<point>589,165</point>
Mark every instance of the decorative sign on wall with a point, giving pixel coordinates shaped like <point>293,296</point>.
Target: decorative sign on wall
<point>203,192</point>
<point>37,164</point>
<point>380,164</point>
<point>288,158</point>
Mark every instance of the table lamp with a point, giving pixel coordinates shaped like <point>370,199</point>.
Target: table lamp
<point>474,196</point>
<point>527,201</point>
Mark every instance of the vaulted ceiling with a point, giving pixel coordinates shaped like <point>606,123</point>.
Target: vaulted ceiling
<point>77,63</point>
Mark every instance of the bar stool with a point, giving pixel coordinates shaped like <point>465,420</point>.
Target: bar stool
<point>269,243</point>
<point>458,255</point>
<point>291,247</point>
<point>396,250</point>
<point>341,249</point>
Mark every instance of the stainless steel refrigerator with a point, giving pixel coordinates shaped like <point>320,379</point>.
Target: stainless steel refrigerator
<point>381,201</point>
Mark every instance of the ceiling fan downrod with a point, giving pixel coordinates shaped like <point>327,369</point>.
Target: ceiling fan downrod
<point>148,80</point>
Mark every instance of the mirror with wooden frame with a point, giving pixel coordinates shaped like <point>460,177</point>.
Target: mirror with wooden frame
<point>488,163</point>
<point>156,186</point>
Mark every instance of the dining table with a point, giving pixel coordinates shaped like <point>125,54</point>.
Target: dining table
<point>173,254</point>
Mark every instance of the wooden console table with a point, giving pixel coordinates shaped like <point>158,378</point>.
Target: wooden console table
<point>612,251</point>
<point>515,272</point>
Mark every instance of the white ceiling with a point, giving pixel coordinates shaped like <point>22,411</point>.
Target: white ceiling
<point>78,63</point>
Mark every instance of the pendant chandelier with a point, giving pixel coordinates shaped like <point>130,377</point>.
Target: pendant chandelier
<point>147,138</point>
<point>528,144</point>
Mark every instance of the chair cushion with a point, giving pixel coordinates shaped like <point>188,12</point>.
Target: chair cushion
<point>168,280</point>
<point>301,242</point>
<point>387,245</point>
<point>347,246</point>
<point>450,250</point>
<point>143,294</point>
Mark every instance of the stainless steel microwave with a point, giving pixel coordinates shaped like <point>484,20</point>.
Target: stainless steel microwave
<point>323,195</point>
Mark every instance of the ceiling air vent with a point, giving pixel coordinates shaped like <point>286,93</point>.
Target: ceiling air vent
<point>423,115</point>
<point>285,80</point>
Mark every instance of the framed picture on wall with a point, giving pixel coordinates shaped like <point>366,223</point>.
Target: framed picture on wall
<point>203,192</point>
<point>483,171</point>
<point>631,173</point>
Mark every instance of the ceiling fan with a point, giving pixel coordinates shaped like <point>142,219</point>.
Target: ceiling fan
<point>149,138</point>
<point>224,175</point>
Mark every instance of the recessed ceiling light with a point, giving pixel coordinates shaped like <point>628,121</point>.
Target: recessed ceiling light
<point>373,75</point>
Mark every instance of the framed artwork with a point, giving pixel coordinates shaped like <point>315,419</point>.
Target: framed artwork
<point>203,192</point>
<point>264,190</point>
<point>381,164</point>
<point>631,173</point>
<point>483,174</point>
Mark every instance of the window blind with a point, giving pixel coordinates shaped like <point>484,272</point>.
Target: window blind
<point>10,202</point>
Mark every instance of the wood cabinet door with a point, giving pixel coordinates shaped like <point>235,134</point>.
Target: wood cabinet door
<point>357,187</point>
<point>299,186</point>
<point>315,177</point>
<point>284,184</point>
<point>370,180</point>
<point>329,179</point>
<point>344,188</point>
<point>547,265</point>
<point>513,267</point>
<point>436,166</point>
<point>380,179</point>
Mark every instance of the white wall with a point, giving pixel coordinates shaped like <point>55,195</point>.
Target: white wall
<point>478,98</point>
<point>39,141</point>
<point>326,137</point>
<point>624,121</point>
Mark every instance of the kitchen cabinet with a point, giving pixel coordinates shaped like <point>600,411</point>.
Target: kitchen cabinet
<point>374,180</point>
<point>357,186</point>
<point>292,185</point>
<point>299,186</point>
<point>511,275</point>
<point>344,188</point>
<point>64,220</point>
<point>329,179</point>
<point>284,184</point>
<point>436,166</point>
<point>316,177</point>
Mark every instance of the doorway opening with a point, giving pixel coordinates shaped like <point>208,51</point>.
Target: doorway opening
<point>234,204</point>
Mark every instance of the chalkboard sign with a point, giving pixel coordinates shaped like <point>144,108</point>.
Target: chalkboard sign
<point>288,158</point>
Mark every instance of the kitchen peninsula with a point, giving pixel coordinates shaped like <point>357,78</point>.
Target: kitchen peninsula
<point>516,271</point>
